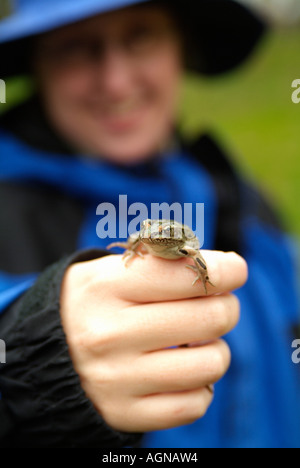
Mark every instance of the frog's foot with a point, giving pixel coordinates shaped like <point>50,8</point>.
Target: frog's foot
<point>132,249</point>
<point>123,245</point>
<point>129,254</point>
<point>201,275</point>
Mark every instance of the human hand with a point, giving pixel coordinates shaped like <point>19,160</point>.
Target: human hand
<point>125,326</point>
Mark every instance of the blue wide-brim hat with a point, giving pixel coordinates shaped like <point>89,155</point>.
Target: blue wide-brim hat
<point>219,34</point>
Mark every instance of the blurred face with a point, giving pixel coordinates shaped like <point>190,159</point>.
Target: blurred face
<point>110,84</point>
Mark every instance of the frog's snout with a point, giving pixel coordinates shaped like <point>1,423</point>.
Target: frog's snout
<point>161,241</point>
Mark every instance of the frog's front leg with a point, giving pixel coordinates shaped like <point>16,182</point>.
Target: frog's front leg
<point>132,245</point>
<point>200,267</point>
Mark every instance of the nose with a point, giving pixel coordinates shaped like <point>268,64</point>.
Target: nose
<point>115,72</point>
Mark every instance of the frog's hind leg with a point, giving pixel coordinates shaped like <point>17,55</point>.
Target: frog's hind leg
<point>199,268</point>
<point>129,254</point>
<point>131,247</point>
<point>201,275</point>
<point>123,245</point>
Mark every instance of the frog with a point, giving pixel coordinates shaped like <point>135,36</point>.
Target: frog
<point>167,239</point>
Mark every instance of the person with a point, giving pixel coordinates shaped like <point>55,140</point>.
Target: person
<point>94,354</point>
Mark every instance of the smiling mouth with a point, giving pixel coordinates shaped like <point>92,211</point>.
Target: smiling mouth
<point>123,109</point>
<point>119,118</point>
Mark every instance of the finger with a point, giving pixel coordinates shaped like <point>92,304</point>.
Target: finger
<point>164,411</point>
<point>156,279</point>
<point>150,327</point>
<point>181,369</point>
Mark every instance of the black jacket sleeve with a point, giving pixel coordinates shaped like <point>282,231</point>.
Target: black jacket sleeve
<point>42,402</point>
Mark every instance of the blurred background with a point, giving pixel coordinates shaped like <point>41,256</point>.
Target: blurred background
<point>250,110</point>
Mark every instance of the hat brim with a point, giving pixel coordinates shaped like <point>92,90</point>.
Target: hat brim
<point>220,34</point>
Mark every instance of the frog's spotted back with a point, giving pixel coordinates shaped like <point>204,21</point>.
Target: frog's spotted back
<point>167,239</point>
<point>166,228</point>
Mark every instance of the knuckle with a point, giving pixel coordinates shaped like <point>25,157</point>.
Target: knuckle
<point>234,307</point>
<point>220,360</point>
<point>104,379</point>
<point>108,342</point>
<point>225,313</point>
<point>97,339</point>
<point>111,411</point>
<point>197,413</point>
<point>216,363</point>
<point>203,408</point>
<point>220,316</point>
<point>237,309</point>
<point>193,410</point>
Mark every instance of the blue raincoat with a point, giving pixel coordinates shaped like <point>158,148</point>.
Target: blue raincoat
<point>257,403</point>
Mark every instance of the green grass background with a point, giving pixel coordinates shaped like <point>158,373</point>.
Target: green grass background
<point>252,113</point>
